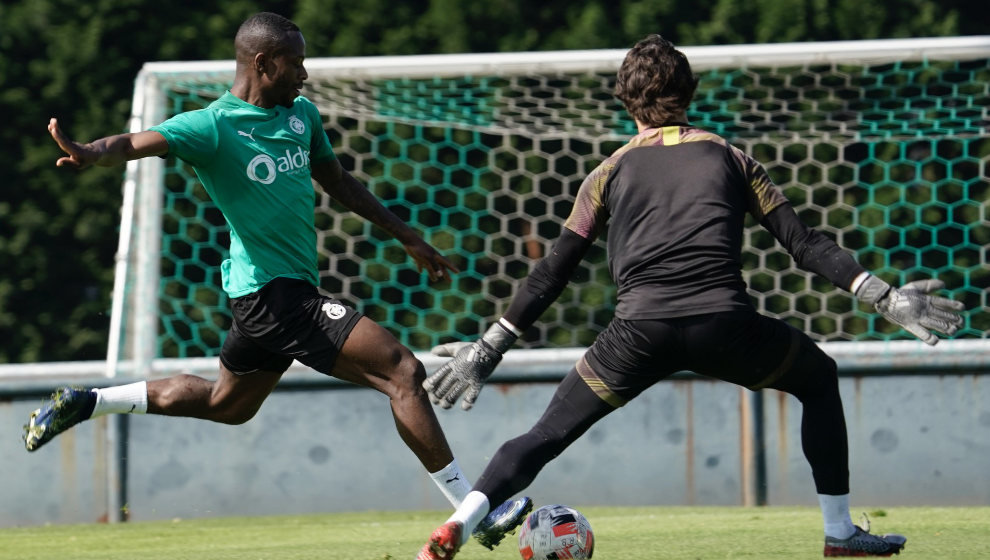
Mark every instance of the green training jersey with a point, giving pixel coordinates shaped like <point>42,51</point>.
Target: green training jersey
<point>255,165</point>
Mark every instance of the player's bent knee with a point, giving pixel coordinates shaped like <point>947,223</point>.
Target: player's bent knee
<point>409,374</point>
<point>401,377</point>
<point>544,442</point>
<point>813,376</point>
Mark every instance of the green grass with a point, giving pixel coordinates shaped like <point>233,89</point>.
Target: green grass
<point>641,533</point>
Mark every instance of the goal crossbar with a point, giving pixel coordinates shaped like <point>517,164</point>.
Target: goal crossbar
<point>591,60</point>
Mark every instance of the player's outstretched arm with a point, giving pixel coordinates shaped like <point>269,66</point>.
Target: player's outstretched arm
<point>106,152</point>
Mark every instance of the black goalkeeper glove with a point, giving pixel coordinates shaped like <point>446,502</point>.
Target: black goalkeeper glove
<point>472,364</point>
<point>912,308</point>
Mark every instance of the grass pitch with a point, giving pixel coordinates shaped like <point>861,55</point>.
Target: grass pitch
<point>641,533</point>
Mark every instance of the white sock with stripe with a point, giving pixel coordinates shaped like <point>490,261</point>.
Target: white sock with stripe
<point>452,483</point>
<point>122,399</point>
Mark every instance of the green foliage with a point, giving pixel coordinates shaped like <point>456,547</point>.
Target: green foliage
<point>58,229</point>
<point>77,61</point>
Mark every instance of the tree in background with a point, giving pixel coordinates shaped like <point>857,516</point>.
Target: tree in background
<point>58,230</point>
<point>78,60</point>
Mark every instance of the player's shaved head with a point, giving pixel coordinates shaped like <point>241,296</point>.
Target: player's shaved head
<point>263,32</point>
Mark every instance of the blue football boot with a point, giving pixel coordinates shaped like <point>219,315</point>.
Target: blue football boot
<point>67,407</point>
<point>501,521</point>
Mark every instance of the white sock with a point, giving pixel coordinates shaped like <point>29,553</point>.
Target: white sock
<point>122,399</point>
<point>835,511</point>
<point>472,510</point>
<point>452,483</point>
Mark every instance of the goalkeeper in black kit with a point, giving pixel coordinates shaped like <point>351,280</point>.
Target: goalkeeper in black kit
<point>674,200</point>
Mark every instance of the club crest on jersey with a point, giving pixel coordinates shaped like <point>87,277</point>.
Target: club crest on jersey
<point>296,124</point>
<point>334,310</point>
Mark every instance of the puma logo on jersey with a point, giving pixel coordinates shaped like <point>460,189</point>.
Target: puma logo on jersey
<point>248,134</point>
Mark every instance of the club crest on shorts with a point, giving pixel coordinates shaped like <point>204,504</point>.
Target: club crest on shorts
<point>334,310</point>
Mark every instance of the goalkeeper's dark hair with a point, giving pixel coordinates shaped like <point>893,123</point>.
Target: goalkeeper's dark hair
<point>264,32</point>
<point>655,81</point>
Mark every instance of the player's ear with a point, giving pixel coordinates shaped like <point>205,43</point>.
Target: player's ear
<point>260,62</point>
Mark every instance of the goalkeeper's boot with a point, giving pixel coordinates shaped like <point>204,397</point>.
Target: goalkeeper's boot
<point>863,543</point>
<point>66,408</point>
<point>501,521</point>
<point>444,542</point>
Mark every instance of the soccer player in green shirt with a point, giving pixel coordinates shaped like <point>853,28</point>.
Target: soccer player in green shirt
<point>256,151</point>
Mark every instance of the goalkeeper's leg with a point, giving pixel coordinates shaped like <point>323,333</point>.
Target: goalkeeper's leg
<point>814,381</point>
<point>748,349</point>
<point>573,409</point>
<point>626,358</point>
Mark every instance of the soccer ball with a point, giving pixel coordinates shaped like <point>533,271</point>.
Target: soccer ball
<point>556,532</point>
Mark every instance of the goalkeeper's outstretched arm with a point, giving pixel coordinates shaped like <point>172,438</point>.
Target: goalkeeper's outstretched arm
<point>548,279</point>
<point>911,306</point>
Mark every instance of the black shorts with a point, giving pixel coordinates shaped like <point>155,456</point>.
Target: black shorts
<point>287,319</point>
<point>741,347</point>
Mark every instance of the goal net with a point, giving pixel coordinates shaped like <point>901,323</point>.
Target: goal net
<point>883,145</point>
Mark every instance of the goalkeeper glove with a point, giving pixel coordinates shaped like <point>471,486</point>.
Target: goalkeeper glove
<point>912,308</point>
<point>472,364</point>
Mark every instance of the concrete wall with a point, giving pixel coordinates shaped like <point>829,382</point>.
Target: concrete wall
<point>913,440</point>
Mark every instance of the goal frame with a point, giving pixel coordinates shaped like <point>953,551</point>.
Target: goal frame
<point>134,308</point>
